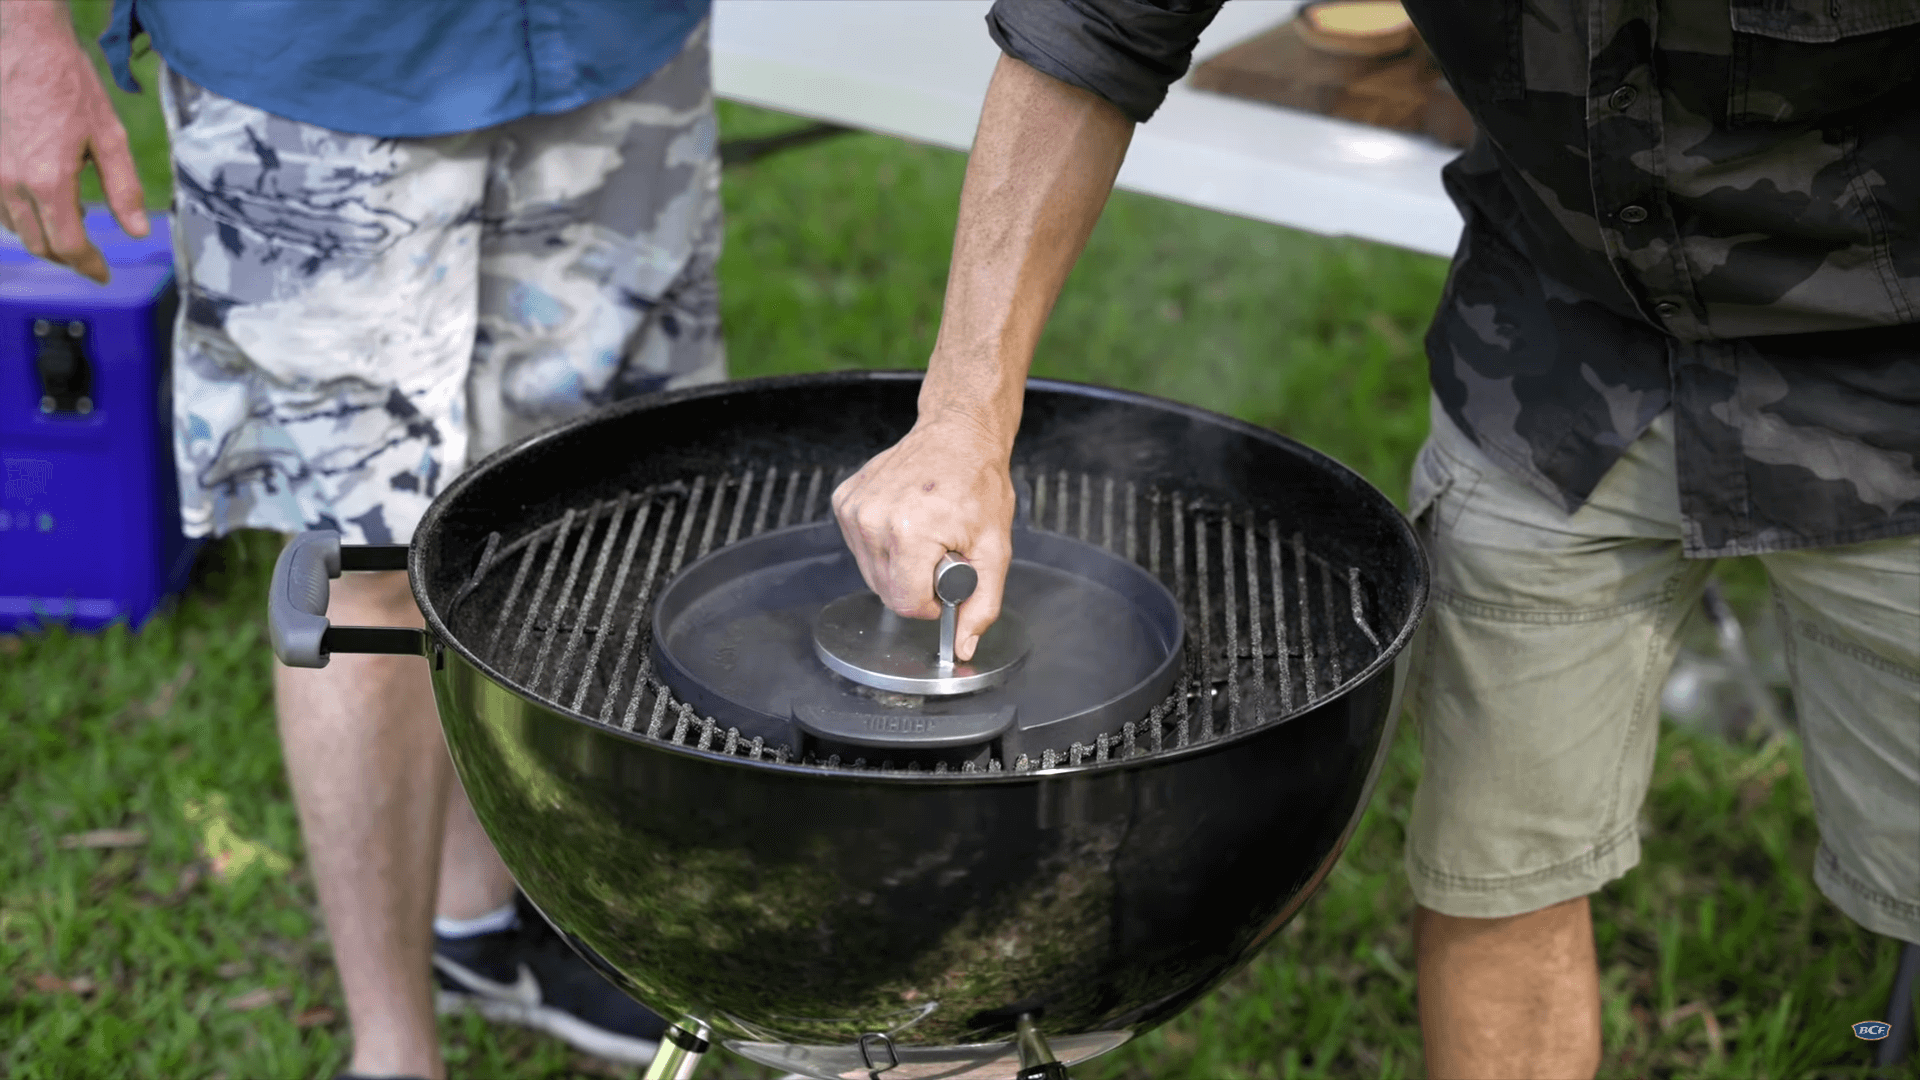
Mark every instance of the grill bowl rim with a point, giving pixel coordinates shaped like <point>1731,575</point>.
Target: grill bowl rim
<point>1390,653</point>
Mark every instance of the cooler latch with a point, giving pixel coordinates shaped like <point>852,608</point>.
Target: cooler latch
<point>60,360</point>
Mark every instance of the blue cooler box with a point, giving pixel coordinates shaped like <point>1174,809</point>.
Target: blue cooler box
<point>89,518</point>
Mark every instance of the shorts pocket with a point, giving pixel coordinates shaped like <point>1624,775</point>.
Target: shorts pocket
<point>1444,477</point>
<point>1431,479</point>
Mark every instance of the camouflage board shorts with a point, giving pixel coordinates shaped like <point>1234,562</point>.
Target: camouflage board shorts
<point>362,317</point>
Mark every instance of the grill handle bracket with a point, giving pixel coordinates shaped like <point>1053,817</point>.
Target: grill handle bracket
<point>298,597</point>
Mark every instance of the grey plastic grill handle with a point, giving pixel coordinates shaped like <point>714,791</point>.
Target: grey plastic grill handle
<point>297,599</point>
<point>298,596</point>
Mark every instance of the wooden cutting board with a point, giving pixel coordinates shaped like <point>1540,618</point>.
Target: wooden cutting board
<point>1404,93</point>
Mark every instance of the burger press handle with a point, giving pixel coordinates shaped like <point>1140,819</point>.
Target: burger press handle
<point>297,602</point>
<point>953,581</point>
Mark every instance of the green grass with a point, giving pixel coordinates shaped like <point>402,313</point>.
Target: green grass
<point>144,961</point>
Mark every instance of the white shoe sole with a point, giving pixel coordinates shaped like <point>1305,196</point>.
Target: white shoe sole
<point>564,1026</point>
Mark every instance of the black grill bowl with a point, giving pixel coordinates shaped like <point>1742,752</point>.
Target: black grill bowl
<point>780,903</point>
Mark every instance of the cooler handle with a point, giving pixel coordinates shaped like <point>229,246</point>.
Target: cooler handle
<point>297,602</point>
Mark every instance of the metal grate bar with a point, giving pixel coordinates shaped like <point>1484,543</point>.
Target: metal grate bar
<point>766,494</point>
<point>660,700</point>
<point>513,593</point>
<point>1106,516</point>
<point>740,506</point>
<point>480,570</point>
<point>540,590</point>
<point>1280,650</point>
<point>1306,608</point>
<point>1180,599</point>
<point>1230,596</point>
<point>640,516</point>
<point>593,590</point>
<point>1153,532</point>
<point>686,524</point>
<point>786,500</point>
<point>1326,611</point>
<point>1205,657</point>
<point>1130,498</point>
<point>564,600</point>
<point>1254,619</point>
<point>1182,730</point>
<point>640,614</point>
<point>813,493</point>
<point>1359,611</point>
<point>1060,507</point>
<point>1086,503</point>
<point>713,518</point>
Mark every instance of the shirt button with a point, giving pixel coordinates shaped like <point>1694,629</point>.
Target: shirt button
<point>1622,98</point>
<point>1633,215</point>
<point>1666,309</point>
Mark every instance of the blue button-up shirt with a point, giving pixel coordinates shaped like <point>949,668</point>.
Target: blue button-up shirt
<point>406,67</point>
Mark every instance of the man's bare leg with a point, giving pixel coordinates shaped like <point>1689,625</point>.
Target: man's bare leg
<point>371,776</point>
<point>1511,998</point>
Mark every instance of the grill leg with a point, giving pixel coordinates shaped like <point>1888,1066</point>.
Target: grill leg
<point>1036,1060</point>
<point>680,1054</point>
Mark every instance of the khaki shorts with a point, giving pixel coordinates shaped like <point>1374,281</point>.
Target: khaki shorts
<point>361,317</point>
<point>1537,681</point>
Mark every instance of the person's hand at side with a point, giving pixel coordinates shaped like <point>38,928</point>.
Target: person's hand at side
<point>1043,162</point>
<point>54,116</point>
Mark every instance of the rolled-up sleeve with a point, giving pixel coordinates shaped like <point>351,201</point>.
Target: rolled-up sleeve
<point>1126,51</point>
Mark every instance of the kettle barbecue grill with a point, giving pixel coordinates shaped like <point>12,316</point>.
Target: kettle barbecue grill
<point>991,906</point>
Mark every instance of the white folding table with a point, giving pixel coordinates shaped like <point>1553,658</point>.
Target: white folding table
<point>918,69</point>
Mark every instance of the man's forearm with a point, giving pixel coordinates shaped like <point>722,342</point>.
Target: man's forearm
<point>1043,163</point>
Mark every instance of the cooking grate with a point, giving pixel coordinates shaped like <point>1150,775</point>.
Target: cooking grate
<point>564,611</point>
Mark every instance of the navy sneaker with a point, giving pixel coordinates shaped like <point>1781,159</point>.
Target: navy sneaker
<point>528,976</point>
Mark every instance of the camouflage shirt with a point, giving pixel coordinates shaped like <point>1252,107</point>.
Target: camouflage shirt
<point>1711,206</point>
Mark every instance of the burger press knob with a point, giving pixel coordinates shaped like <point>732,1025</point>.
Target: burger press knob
<point>858,637</point>
<point>953,581</point>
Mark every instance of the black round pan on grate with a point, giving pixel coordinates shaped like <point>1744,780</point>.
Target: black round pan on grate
<point>733,636</point>
<point>811,912</point>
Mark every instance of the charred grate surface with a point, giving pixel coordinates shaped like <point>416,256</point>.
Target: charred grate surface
<point>1273,627</point>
